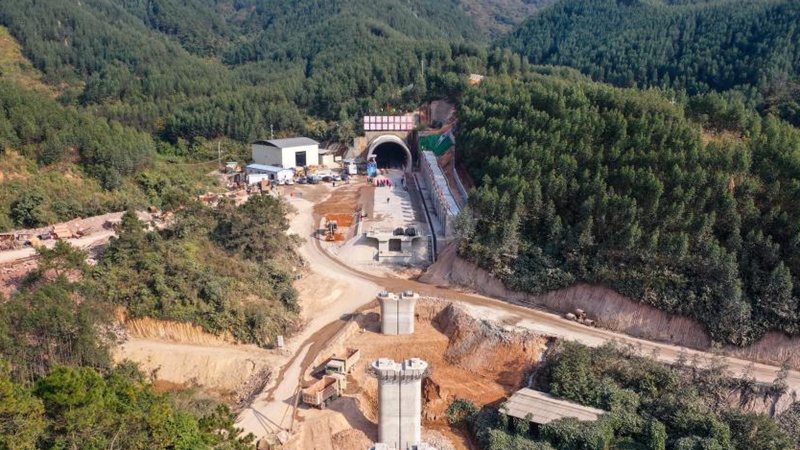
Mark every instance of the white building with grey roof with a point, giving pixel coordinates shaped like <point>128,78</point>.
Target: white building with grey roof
<point>291,152</point>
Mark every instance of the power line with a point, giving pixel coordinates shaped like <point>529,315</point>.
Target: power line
<point>196,164</point>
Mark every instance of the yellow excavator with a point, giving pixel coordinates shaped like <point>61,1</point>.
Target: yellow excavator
<point>330,230</point>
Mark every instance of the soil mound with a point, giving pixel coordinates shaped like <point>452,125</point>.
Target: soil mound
<point>351,439</point>
<point>438,440</point>
<point>488,348</point>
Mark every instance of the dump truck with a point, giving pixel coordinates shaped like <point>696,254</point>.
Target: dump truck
<point>321,393</point>
<point>343,365</point>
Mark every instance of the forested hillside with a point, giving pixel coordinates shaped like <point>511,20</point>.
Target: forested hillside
<point>228,270</point>
<point>752,46</point>
<point>58,385</point>
<point>649,406</point>
<point>584,182</point>
<point>138,82</point>
<point>206,269</point>
<point>194,69</point>
<point>60,162</point>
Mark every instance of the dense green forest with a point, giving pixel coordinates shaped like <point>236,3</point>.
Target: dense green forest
<point>140,83</point>
<point>228,270</point>
<point>688,201</point>
<point>748,46</point>
<point>582,182</point>
<point>63,162</point>
<point>183,70</point>
<point>650,406</point>
<point>79,407</point>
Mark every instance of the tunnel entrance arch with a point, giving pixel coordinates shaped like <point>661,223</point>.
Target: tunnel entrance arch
<point>390,151</point>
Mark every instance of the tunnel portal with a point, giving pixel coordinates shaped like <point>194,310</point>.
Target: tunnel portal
<point>390,152</point>
<point>390,156</point>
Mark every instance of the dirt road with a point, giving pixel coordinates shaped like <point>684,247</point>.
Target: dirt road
<point>84,242</point>
<point>329,294</point>
<point>331,297</point>
<point>93,226</point>
<point>554,325</point>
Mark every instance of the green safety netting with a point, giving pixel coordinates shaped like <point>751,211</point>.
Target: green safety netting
<point>437,143</point>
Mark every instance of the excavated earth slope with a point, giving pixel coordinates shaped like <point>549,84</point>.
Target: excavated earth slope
<point>611,311</point>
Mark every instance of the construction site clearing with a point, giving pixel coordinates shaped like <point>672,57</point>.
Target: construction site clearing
<point>469,357</point>
<point>358,221</point>
<point>337,405</point>
<point>470,353</point>
<point>18,247</point>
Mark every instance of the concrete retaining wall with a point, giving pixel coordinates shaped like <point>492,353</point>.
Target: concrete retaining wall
<point>460,185</point>
<point>444,205</point>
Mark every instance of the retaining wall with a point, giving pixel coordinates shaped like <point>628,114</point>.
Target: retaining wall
<point>444,205</point>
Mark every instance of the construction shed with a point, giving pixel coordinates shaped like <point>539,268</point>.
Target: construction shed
<point>256,173</point>
<point>541,408</point>
<point>291,152</point>
<point>327,158</point>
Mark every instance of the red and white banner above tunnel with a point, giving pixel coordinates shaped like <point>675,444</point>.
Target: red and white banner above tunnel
<point>390,123</point>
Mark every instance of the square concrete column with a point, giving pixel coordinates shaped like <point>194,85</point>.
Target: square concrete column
<point>400,401</point>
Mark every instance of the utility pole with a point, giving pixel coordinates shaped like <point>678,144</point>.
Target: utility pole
<point>271,132</point>
<point>219,156</point>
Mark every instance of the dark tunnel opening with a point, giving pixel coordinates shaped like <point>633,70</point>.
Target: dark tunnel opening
<point>390,155</point>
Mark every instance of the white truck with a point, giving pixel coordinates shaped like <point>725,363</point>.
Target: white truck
<point>350,167</point>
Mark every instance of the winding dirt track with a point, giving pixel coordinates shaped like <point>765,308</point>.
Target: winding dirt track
<point>269,414</point>
<point>554,325</point>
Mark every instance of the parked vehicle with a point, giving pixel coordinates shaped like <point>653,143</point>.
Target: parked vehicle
<point>289,181</point>
<point>302,180</point>
<point>343,365</point>
<point>324,391</point>
<point>336,177</point>
<point>580,316</point>
<point>313,179</point>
